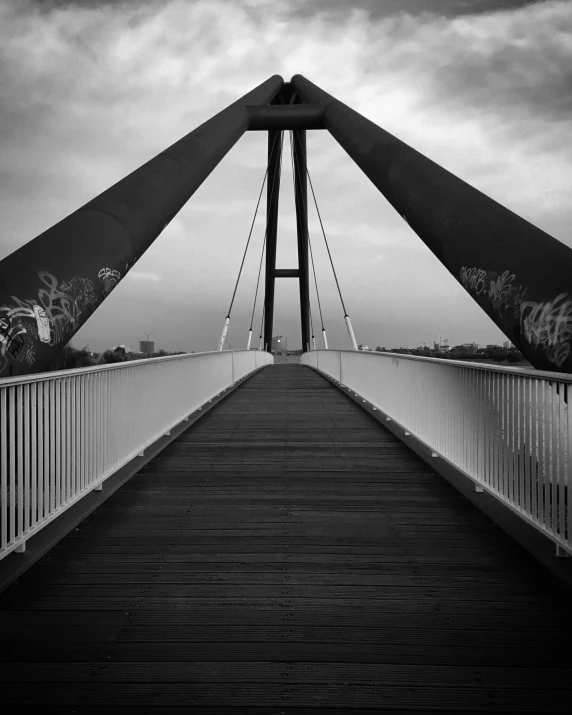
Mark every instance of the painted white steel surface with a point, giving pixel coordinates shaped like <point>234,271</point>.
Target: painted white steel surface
<point>64,433</point>
<point>508,429</point>
<point>352,337</point>
<point>223,334</point>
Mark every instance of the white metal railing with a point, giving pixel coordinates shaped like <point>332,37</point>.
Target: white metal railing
<point>62,434</point>
<point>509,430</point>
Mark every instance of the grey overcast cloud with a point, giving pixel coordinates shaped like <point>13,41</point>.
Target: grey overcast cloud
<point>91,90</point>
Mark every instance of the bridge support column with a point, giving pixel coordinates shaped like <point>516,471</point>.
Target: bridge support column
<point>301,200</point>
<point>517,273</point>
<point>273,194</point>
<point>53,284</point>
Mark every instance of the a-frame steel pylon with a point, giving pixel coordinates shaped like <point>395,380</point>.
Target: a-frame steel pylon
<point>518,274</point>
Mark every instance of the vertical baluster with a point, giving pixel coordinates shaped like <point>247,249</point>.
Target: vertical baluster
<point>69,438</point>
<point>58,443</point>
<point>466,429</point>
<point>108,376</point>
<point>34,453</point>
<point>20,459</point>
<point>484,463</point>
<point>526,441</point>
<point>480,431</point>
<point>533,448</point>
<point>74,387</point>
<point>561,461</point>
<point>553,447</point>
<point>447,378</point>
<point>498,432</point>
<point>41,455</point>
<point>61,439</point>
<point>514,440</point>
<point>26,480</point>
<point>511,438</point>
<point>541,410</point>
<point>491,430</point>
<point>53,487</point>
<point>46,389</point>
<point>90,429</point>
<point>519,453</point>
<point>552,428</point>
<point>474,423</point>
<point>99,431</point>
<point>12,459</point>
<point>569,464</point>
<point>456,437</point>
<point>545,467</point>
<point>82,420</point>
<point>3,468</point>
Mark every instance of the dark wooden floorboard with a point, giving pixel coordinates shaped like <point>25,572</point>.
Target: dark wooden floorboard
<point>287,554</point>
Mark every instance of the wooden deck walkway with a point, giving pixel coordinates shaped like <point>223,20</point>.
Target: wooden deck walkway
<point>289,555</point>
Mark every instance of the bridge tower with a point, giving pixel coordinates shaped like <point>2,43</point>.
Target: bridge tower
<point>518,274</point>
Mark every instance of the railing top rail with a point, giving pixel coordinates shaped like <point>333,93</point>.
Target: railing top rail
<point>56,374</point>
<point>525,372</point>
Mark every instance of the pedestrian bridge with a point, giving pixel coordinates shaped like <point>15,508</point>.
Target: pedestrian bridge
<point>250,537</point>
<point>216,532</point>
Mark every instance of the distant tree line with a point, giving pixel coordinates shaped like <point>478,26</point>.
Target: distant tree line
<point>70,357</point>
<point>459,352</point>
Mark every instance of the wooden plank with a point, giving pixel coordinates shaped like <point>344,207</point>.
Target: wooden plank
<point>287,552</point>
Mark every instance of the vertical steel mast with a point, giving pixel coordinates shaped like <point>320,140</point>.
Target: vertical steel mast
<point>301,200</point>
<point>275,138</point>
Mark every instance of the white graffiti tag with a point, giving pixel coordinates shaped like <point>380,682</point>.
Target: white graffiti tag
<point>474,279</point>
<point>110,279</point>
<point>43,324</point>
<point>500,290</point>
<point>548,325</point>
<point>54,315</point>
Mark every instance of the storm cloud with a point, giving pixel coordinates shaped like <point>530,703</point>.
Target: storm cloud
<point>91,90</point>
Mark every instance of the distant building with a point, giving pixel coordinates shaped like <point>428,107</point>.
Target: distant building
<point>508,345</point>
<point>147,347</point>
<point>279,344</point>
<point>470,347</point>
<point>363,347</point>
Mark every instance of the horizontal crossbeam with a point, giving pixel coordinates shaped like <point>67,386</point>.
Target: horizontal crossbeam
<point>287,273</point>
<point>285,116</point>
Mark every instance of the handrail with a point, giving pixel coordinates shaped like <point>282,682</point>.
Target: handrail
<point>507,430</point>
<point>489,367</point>
<point>62,434</point>
<point>54,374</point>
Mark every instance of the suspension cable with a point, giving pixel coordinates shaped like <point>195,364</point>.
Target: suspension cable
<point>260,345</point>
<point>326,241</point>
<point>277,170</point>
<point>316,282</point>
<point>256,292</point>
<point>258,280</point>
<point>227,319</point>
<point>346,316</point>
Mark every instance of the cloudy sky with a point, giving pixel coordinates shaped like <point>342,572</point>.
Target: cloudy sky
<point>91,90</point>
